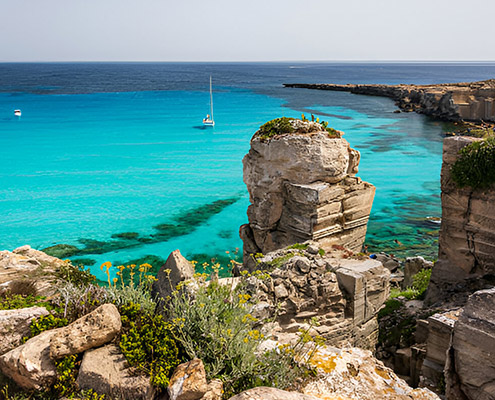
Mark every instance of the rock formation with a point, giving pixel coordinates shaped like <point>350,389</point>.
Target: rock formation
<point>302,186</point>
<point>32,365</point>
<point>474,101</point>
<point>470,370</point>
<point>175,269</point>
<point>14,325</point>
<point>467,235</point>
<point>343,295</point>
<point>26,268</point>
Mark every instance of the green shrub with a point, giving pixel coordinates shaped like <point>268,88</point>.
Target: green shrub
<point>421,281</point>
<point>475,166</point>
<point>148,344</point>
<point>10,301</point>
<point>298,246</point>
<point>67,369</point>
<point>418,288</point>
<point>275,127</point>
<point>391,306</point>
<point>77,275</point>
<point>45,323</point>
<point>216,326</point>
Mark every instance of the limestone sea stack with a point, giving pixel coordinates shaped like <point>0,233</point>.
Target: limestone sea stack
<point>302,186</point>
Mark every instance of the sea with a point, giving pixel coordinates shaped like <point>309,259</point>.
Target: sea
<point>112,158</point>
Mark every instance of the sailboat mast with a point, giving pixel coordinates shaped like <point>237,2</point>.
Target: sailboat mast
<point>211,101</point>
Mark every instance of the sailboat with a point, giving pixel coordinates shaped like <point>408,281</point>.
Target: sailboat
<point>209,121</point>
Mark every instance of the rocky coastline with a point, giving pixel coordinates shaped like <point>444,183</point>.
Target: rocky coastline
<point>308,315</point>
<point>471,101</point>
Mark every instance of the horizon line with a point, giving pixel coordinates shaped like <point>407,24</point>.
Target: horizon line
<point>251,62</point>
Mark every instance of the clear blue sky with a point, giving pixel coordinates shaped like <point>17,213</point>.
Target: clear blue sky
<point>250,30</point>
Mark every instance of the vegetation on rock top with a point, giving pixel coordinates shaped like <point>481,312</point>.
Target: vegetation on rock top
<point>475,166</point>
<point>284,125</point>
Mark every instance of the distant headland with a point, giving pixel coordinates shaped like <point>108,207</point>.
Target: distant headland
<point>470,101</point>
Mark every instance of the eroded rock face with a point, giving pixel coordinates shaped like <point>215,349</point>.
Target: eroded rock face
<point>302,187</point>
<point>14,325</point>
<point>471,368</point>
<point>467,235</point>
<point>344,295</point>
<point>30,365</point>
<point>106,371</point>
<point>94,329</point>
<point>176,269</point>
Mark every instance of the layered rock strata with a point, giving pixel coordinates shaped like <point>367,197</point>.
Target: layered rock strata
<point>343,295</point>
<point>466,256</point>
<point>473,101</point>
<point>470,370</point>
<point>302,186</point>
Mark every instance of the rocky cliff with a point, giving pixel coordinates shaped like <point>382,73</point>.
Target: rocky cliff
<point>474,101</point>
<point>343,295</point>
<point>302,186</point>
<point>466,257</point>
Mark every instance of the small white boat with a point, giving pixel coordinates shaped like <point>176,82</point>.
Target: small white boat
<point>17,113</point>
<point>208,120</point>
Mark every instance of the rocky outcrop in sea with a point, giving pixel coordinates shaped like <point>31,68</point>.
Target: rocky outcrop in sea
<point>302,186</point>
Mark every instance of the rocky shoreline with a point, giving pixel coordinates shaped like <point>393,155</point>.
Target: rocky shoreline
<point>471,101</point>
<point>303,314</point>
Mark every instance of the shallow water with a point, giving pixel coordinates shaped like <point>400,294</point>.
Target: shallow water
<point>97,153</point>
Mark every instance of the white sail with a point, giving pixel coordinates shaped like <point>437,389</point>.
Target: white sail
<point>209,121</point>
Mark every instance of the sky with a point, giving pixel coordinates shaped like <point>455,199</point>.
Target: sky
<point>249,30</point>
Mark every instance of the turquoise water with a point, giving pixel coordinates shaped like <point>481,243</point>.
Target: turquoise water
<point>80,167</point>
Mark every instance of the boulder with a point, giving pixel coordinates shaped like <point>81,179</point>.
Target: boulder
<point>188,382</point>
<point>472,361</point>
<point>269,393</point>
<point>30,365</point>
<point>176,269</point>
<point>106,371</point>
<point>14,325</point>
<point>94,329</point>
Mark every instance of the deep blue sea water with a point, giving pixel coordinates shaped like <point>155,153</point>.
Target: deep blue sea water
<point>107,148</point>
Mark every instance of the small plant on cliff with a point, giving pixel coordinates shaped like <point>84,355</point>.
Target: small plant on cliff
<point>275,127</point>
<point>475,166</point>
<point>148,344</point>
